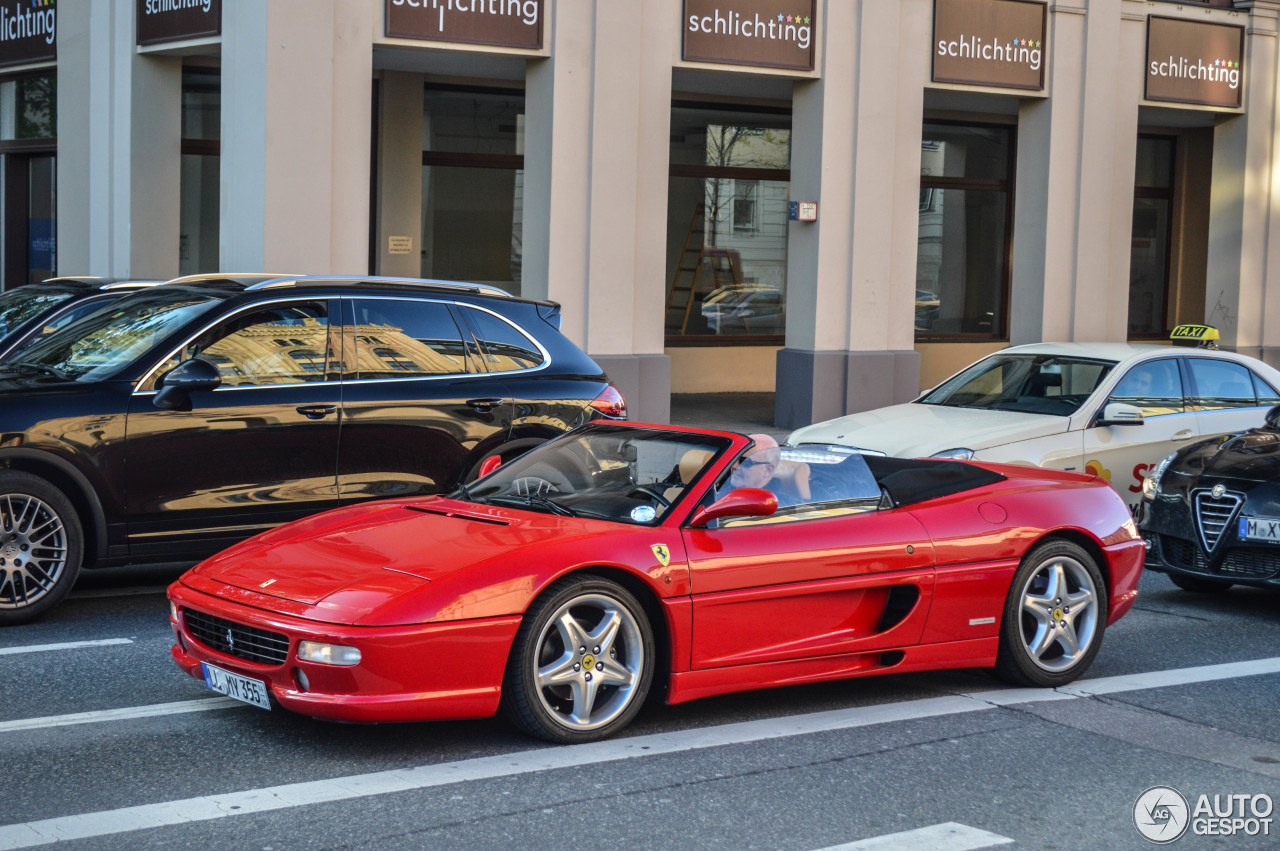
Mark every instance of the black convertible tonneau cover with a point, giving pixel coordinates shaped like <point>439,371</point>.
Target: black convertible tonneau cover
<point>912,480</point>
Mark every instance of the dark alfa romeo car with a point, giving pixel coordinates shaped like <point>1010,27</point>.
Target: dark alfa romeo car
<point>194,414</point>
<point>32,311</point>
<point>1210,512</point>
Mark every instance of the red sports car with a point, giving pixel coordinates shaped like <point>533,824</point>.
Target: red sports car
<point>622,559</point>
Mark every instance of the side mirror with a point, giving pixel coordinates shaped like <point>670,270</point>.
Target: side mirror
<point>1120,414</point>
<point>489,464</point>
<point>741,502</point>
<point>177,385</point>
<point>1273,418</point>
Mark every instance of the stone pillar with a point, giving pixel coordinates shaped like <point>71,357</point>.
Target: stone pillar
<point>400,117</point>
<point>119,144</point>
<point>596,151</point>
<point>296,101</point>
<point>850,294</point>
<point>1244,216</point>
<point>1076,153</point>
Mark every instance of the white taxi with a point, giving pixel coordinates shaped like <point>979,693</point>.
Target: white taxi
<point>1111,409</point>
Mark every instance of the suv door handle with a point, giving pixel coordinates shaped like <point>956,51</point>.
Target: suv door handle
<point>484,406</point>
<point>1185,434</point>
<point>317,412</point>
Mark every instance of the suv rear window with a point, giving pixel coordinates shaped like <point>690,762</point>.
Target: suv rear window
<point>504,347</point>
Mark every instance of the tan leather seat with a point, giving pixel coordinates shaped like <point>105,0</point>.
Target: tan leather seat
<point>691,462</point>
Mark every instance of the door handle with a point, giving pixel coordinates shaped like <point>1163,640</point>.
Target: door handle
<point>317,412</point>
<point>484,406</point>
<point>1185,434</point>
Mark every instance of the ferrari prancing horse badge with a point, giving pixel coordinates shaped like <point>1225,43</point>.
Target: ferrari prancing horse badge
<point>663,554</point>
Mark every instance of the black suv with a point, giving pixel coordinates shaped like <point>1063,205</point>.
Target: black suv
<point>188,416</point>
<point>32,311</point>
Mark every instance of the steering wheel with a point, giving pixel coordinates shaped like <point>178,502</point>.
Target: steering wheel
<point>652,492</point>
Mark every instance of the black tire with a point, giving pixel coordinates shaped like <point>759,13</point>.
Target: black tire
<point>1199,585</point>
<point>1043,642</point>
<point>41,547</point>
<point>602,680</point>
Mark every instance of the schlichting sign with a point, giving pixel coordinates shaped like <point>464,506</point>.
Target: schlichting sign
<point>763,33</point>
<point>1194,62</point>
<point>989,43</point>
<point>28,31</point>
<point>502,23</point>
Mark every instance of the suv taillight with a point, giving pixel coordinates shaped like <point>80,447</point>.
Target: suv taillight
<point>610,403</point>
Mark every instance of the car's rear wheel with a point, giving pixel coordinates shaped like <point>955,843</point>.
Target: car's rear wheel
<point>581,663</point>
<point>41,547</point>
<point>1198,585</point>
<point>1054,617</point>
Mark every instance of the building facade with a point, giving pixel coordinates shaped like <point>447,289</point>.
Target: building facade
<point>841,201</point>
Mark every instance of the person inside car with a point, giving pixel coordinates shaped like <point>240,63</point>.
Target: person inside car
<point>763,467</point>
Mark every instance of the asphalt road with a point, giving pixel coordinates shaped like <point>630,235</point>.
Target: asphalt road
<point>108,741</point>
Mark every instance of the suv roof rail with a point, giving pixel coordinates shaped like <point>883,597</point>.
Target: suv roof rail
<point>374,280</point>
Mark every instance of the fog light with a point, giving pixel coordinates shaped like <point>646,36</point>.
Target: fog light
<point>328,654</point>
<point>303,683</point>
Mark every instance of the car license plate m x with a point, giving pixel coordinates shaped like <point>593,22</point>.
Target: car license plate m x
<point>1259,529</point>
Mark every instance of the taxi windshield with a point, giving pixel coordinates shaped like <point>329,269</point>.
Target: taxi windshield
<point>606,472</point>
<point>100,345</point>
<point>1055,385</point>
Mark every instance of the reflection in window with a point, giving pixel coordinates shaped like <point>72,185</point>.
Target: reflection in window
<point>251,349</point>
<point>1149,246</point>
<point>727,222</point>
<point>1221,384</point>
<point>200,164</point>
<point>1154,386</point>
<point>399,338</point>
<point>966,203</point>
<point>505,348</point>
<point>29,107</point>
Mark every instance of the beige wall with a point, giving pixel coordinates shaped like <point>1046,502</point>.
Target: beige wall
<point>722,369</point>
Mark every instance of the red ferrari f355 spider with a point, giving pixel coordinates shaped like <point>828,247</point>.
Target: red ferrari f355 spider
<point>622,559</point>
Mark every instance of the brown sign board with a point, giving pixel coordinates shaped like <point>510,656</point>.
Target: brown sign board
<point>997,43</point>
<point>763,33</point>
<point>1194,62</point>
<point>502,23</point>
<point>28,31</point>
<point>160,21</point>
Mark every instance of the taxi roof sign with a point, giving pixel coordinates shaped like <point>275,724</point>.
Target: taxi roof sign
<point>1195,335</point>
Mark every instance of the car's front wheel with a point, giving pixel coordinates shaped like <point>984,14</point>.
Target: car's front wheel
<point>581,663</point>
<point>41,547</point>
<point>1199,585</point>
<point>1054,617</point>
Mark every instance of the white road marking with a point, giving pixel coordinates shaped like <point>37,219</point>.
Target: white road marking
<point>69,645</point>
<point>205,808</point>
<point>128,713</point>
<point>949,836</point>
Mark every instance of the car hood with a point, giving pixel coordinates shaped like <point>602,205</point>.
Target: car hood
<point>915,430</point>
<point>1253,456</point>
<point>342,565</point>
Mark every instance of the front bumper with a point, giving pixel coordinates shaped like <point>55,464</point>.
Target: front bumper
<point>1240,565</point>
<point>407,673</point>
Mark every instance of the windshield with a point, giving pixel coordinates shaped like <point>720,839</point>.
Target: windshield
<point>18,306</point>
<point>101,344</point>
<point>619,473</point>
<point>1033,384</point>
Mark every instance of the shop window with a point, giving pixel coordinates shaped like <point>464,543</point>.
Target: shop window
<point>473,186</point>
<point>28,176</point>
<point>1152,234</point>
<point>966,212</point>
<point>201,162</point>
<point>727,224</point>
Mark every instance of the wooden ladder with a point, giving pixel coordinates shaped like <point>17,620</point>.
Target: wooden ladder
<point>686,275</point>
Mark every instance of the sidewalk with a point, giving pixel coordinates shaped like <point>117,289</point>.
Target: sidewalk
<point>745,413</point>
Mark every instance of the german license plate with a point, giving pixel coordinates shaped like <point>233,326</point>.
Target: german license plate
<point>1259,529</point>
<point>234,685</point>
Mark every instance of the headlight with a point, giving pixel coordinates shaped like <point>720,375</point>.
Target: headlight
<point>954,454</point>
<point>173,611</point>
<point>328,654</point>
<point>1151,484</point>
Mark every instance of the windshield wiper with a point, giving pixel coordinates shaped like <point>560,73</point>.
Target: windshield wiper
<point>538,500</point>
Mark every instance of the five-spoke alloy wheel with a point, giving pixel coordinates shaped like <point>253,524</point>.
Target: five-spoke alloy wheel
<point>1054,617</point>
<point>581,663</point>
<point>40,547</point>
